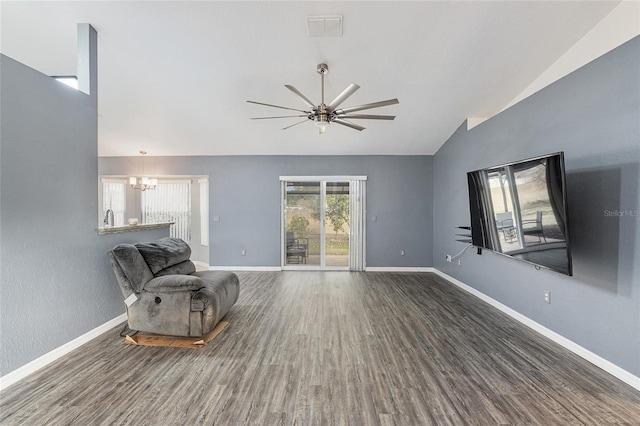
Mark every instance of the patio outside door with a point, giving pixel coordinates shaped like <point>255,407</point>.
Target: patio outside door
<point>317,224</point>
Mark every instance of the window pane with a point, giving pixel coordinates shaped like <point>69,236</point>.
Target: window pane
<point>337,205</point>
<point>302,223</point>
<point>113,197</point>
<point>169,202</point>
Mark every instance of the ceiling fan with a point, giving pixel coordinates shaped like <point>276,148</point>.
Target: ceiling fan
<point>322,115</point>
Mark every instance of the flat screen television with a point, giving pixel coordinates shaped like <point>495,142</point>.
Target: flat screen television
<point>520,210</point>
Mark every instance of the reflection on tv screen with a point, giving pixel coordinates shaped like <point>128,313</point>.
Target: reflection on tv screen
<point>520,210</point>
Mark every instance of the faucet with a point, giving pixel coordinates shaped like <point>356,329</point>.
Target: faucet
<point>108,218</point>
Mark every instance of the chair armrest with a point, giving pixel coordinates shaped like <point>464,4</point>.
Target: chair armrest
<point>169,283</point>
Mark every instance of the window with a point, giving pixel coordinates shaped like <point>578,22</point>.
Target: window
<point>169,202</point>
<point>114,193</point>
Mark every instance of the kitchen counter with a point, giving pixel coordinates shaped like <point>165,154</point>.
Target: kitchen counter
<point>132,228</point>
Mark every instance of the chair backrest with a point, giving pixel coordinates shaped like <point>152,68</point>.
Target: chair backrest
<point>167,256</point>
<point>136,265</point>
<point>130,268</point>
<point>501,217</point>
<point>504,220</point>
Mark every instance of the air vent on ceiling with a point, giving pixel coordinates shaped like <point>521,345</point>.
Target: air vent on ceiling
<point>324,26</point>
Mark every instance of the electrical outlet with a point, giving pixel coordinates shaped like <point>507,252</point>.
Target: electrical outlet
<point>459,262</point>
<point>401,252</point>
<point>547,296</point>
<point>244,252</point>
<point>448,257</point>
<point>375,218</point>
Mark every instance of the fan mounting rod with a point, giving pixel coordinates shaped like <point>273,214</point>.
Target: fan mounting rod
<point>322,70</point>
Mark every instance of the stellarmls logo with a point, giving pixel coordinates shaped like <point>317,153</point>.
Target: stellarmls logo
<point>622,213</point>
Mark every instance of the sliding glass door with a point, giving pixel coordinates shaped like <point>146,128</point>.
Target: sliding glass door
<point>317,223</point>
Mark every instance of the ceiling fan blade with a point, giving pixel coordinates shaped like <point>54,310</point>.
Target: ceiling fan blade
<point>368,117</point>
<point>301,96</point>
<point>277,106</point>
<point>350,90</point>
<point>288,127</point>
<point>279,116</point>
<point>347,123</point>
<point>367,106</point>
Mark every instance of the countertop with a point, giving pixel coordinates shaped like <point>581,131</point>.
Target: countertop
<point>131,228</point>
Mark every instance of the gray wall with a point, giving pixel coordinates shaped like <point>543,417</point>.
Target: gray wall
<point>56,283</point>
<point>245,192</point>
<point>593,115</point>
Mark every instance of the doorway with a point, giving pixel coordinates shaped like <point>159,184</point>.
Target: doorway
<point>322,226</point>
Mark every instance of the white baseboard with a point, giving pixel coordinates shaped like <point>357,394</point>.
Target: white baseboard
<point>49,357</point>
<point>246,268</point>
<point>278,268</point>
<point>399,269</point>
<point>597,360</point>
<point>200,264</point>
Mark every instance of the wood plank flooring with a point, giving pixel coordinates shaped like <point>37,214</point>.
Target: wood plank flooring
<point>334,348</point>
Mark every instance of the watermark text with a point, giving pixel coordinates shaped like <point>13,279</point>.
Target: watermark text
<point>622,213</point>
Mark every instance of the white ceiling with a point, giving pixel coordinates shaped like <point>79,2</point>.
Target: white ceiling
<point>174,76</point>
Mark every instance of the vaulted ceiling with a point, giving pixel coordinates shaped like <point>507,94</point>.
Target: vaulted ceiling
<point>174,76</point>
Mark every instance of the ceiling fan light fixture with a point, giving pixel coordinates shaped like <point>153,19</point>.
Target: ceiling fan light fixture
<point>321,120</point>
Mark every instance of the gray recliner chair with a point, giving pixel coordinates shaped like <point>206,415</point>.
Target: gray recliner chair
<point>165,294</point>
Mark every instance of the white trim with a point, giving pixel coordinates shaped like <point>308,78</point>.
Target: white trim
<point>114,180</point>
<point>582,352</point>
<point>399,269</point>
<point>246,268</point>
<point>313,268</point>
<point>203,192</point>
<point>321,178</point>
<point>46,359</point>
<point>173,180</point>
<point>283,225</point>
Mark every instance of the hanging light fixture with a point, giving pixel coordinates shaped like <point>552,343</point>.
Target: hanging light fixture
<point>143,183</point>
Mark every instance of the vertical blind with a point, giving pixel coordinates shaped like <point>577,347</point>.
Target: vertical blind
<point>357,208</point>
<point>169,202</point>
<point>204,211</point>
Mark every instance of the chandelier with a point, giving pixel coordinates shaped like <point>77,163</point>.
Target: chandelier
<point>143,183</point>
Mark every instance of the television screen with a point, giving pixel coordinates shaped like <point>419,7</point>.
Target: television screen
<point>520,210</point>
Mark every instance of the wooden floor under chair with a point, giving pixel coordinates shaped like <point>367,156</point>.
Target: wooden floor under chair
<point>332,348</point>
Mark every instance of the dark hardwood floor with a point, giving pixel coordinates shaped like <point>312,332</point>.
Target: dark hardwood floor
<point>332,348</point>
